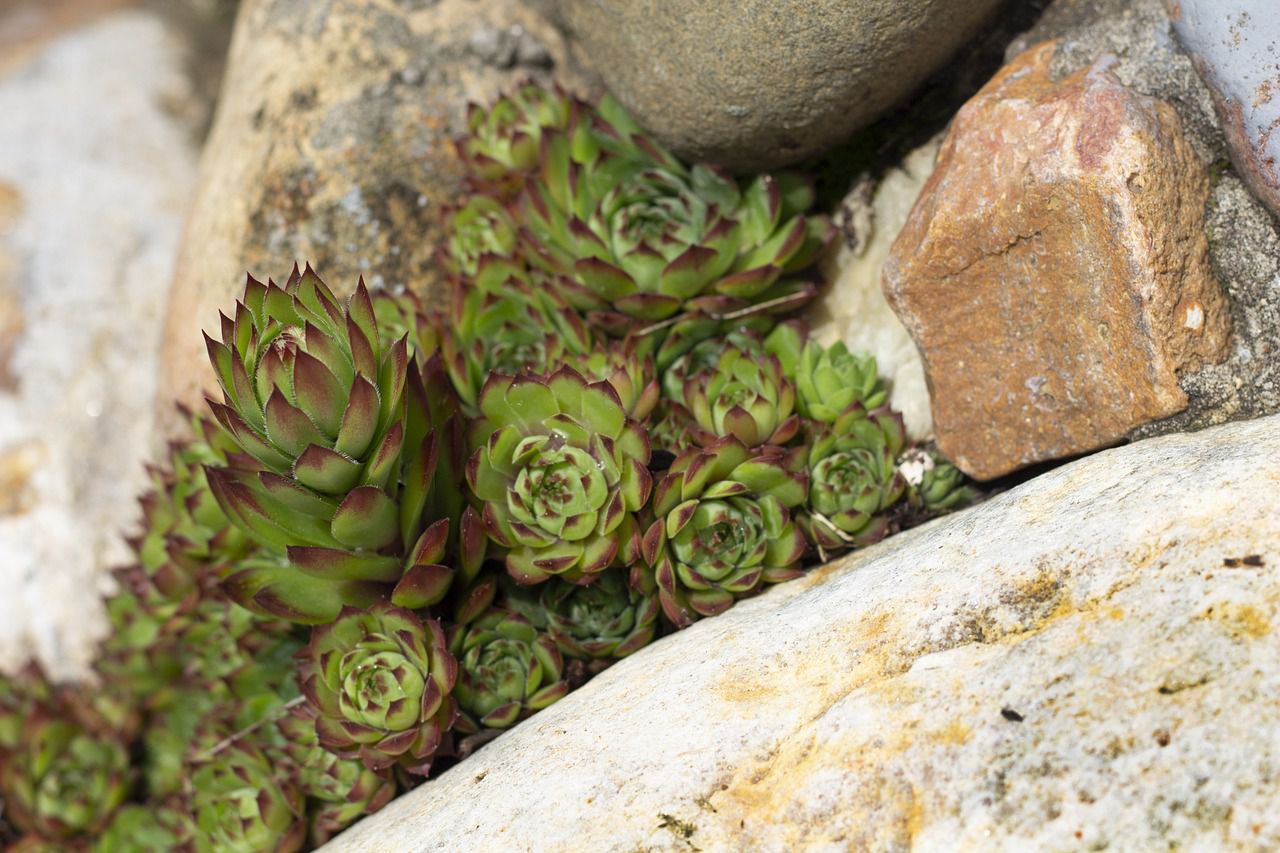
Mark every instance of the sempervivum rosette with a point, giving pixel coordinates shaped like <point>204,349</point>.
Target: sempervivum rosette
<point>500,320</point>
<point>341,790</point>
<point>561,475</point>
<point>642,238</point>
<point>746,396</point>
<point>245,802</point>
<point>62,782</point>
<point>503,140</point>
<point>508,670</point>
<point>723,527</point>
<point>853,478</point>
<point>337,472</point>
<point>831,379</point>
<point>379,682</point>
<point>608,618</point>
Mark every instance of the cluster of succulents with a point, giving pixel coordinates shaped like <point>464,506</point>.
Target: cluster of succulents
<point>403,528</point>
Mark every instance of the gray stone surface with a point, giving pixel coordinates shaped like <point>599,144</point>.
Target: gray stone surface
<point>333,144</point>
<point>762,83</point>
<point>1088,661</point>
<point>1244,239</point>
<point>1236,48</point>
<point>95,175</point>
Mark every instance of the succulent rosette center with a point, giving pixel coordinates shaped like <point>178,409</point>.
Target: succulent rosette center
<point>724,536</point>
<point>560,490</point>
<point>561,475</point>
<point>381,689</point>
<point>723,527</point>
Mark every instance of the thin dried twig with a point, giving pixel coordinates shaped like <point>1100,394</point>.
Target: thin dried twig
<point>250,729</point>
<point>731,315</point>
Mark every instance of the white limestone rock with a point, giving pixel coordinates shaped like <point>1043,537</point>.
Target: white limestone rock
<point>95,173</point>
<point>853,307</point>
<point>1087,661</point>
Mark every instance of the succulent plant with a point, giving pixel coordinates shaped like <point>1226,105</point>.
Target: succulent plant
<point>631,374</point>
<point>503,140</point>
<point>942,486</point>
<point>20,695</point>
<point>244,802</point>
<point>145,829</point>
<point>830,379</point>
<point>745,396</point>
<point>853,478</point>
<point>338,481</point>
<point>379,682</point>
<point>561,474</point>
<point>62,782</point>
<point>186,535</point>
<point>607,618</point>
<point>341,790</point>
<point>507,670</point>
<point>478,228</point>
<point>642,238</point>
<point>502,322</point>
<point>723,527</point>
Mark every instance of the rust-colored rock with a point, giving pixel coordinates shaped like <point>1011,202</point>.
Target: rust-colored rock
<point>333,144</point>
<point>1054,271</point>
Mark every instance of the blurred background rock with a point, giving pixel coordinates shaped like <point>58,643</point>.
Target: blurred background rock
<point>103,106</point>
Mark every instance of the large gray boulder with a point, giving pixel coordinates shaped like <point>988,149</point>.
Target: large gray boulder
<point>762,83</point>
<point>1236,48</point>
<point>1088,661</point>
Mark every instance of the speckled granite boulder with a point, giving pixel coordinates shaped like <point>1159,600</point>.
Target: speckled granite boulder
<point>757,84</point>
<point>1087,661</point>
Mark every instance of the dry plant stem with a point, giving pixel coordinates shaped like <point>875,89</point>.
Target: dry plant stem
<point>250,729</point>
<point>732,315</point>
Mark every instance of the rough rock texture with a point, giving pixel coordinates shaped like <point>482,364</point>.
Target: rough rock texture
<point>1054,271</point>
<point>1236,48</point>
<point>1089,660</point>
<point>852,308</point>
<point>333,144</point>
<point>1244,239</point>
<point>758,84</point>
<point>95,175</point>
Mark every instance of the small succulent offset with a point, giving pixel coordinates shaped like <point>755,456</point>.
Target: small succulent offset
<point>609,618</point>
<point>744,396</point>
<point>831,379</point>
<point>379,682</point>
<point>508,671</point>
<point>853,478</point>
<point>341,789</point>
<point>562,474</point>
<point>61,781</point>
<point>244,802</point>
<point>723,527</point>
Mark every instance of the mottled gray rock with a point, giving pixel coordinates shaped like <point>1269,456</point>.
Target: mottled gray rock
<point>333,143</point>
<point>762,83</point>
<point>1236,48</point>
<point>1088,661</point>
<point>1244,239</point>
<point>95,175</point>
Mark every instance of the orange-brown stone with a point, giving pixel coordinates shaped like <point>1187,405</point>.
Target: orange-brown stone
<point>1054,272</point>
